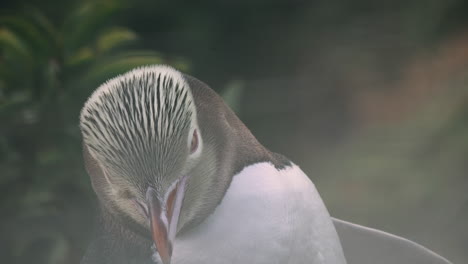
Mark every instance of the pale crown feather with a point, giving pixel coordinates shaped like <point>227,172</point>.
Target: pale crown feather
<point>135,118</point>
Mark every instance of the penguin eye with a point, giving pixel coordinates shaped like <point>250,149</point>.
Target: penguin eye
<point>194,143</point>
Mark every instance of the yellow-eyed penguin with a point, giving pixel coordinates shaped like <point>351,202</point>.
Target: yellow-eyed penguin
<point>180,179</point>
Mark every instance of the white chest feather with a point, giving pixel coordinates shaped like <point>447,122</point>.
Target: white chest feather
<point>266,217</point>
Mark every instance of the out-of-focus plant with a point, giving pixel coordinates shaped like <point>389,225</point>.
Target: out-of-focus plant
<point>232,95</point>
<point>47,70</point>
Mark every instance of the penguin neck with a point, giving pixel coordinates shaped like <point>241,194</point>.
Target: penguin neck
<point>122,237</point>
<point>229,146</point>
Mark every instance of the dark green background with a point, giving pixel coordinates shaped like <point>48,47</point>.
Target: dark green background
<point>369,98</point>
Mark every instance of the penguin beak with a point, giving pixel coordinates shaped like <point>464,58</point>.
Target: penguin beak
<point>164,217</point>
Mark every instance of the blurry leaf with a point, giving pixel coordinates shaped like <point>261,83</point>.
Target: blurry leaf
<point>47,30</point>
<point>28,31</point>
<point>9,41</point>
<point>82,56</point>
<point>115,38</point>
<point>83,26</point>
<point>118,65</point>
<point>181,64</point>
<point>232,95</point>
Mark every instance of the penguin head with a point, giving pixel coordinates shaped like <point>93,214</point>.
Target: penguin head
<point>142,144</point>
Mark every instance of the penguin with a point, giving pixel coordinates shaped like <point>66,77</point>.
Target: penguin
<point>180,179</point>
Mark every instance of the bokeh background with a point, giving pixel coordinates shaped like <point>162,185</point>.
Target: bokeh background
<point>370,98</point>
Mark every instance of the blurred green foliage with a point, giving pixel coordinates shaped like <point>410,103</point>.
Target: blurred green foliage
<point>46,73</point>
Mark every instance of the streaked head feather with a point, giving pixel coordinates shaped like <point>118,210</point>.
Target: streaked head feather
<point>136,118</point>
